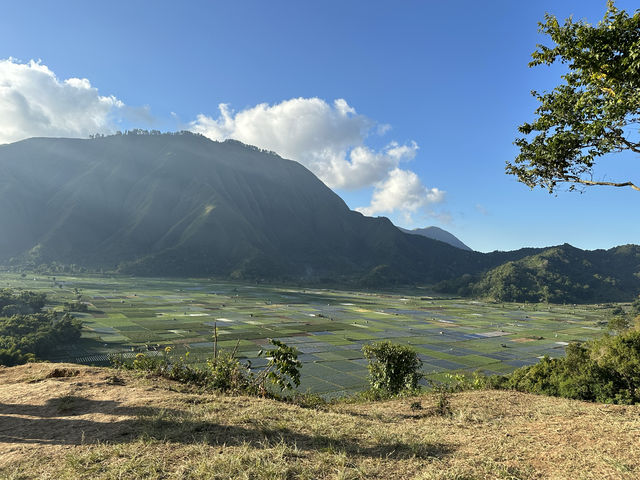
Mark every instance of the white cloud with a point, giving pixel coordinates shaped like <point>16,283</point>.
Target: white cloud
<point>34,102</point>
<point>327,139</point>
<point>330,139</point>
<point>402,192</point>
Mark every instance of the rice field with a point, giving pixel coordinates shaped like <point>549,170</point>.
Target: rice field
<point>328,326</point>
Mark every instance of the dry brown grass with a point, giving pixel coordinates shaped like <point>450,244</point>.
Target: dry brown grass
<point>69,421</point>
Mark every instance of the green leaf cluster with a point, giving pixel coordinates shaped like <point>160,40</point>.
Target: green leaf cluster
<point>283,369</point>
<point>595,110</point>
<point>392,367</point>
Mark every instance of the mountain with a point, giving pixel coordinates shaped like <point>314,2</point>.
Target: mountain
<point>558,274</point>
<point>436,233</point>
<point>180,204</point>
<point>183,205</point>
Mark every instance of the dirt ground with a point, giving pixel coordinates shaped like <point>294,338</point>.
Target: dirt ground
<point>70,421</point>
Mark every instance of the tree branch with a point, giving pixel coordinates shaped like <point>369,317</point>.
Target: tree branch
<point>634,147</point>
<point>570,178</point>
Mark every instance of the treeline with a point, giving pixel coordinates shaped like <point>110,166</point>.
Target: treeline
<point>26,265</point>
<point>24,303</point>
<point>143,132</point>
<point>27,333</point>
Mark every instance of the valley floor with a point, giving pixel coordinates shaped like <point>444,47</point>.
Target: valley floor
<point>126,315</point>
<point>65,421</point>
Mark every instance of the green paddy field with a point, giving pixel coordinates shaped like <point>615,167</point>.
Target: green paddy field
<point>129,315</point>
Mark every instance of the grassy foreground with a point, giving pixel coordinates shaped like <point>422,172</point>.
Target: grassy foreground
<point>64,421</point>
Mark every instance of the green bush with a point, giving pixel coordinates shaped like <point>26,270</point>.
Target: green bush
<point>223,371</point>
<point>226,373</point>
<point>605,370</point>
<point>283,369</point>
<point>392,367</point>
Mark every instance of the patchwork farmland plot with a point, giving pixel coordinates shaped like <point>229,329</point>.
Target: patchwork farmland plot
<point>329,327</point>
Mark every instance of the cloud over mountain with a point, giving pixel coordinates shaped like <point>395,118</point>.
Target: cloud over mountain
<point>402,191</point>
<point>34,102</point>
<point>330,140</point>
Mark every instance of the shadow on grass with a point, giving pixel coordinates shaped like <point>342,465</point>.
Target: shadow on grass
<point>54,424</point>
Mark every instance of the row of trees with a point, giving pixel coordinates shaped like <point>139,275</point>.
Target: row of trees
<point>143,132</point>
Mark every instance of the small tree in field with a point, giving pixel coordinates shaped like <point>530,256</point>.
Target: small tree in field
<point>392,367</point>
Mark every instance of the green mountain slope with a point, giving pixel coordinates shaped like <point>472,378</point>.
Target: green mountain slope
<point>559,274</point>
<point>184,205</point>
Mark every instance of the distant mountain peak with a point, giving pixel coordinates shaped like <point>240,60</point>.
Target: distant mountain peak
<point>437,233</point>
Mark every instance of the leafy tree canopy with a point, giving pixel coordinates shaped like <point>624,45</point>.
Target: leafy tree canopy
<point>594,112</point>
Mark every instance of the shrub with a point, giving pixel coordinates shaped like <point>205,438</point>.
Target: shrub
<point>223,371</point>
<point>154,365</point>
<point>392,367</point>
<point>605,370</point>
<point>283,369</point>
<point>226,373</point>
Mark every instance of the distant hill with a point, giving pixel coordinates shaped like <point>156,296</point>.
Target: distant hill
<point>558,274</point>
<point>438,234</point>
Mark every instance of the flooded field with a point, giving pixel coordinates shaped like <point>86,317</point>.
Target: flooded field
<point>329,327</point>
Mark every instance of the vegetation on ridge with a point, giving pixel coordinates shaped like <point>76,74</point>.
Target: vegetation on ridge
<point>562,274</point>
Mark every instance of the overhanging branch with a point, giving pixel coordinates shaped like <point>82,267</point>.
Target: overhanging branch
<point>608,184</point>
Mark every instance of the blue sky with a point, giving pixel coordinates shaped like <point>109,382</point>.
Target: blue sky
<point>429,96</point>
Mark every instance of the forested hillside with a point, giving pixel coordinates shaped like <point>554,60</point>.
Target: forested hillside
<point>558,274</point>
